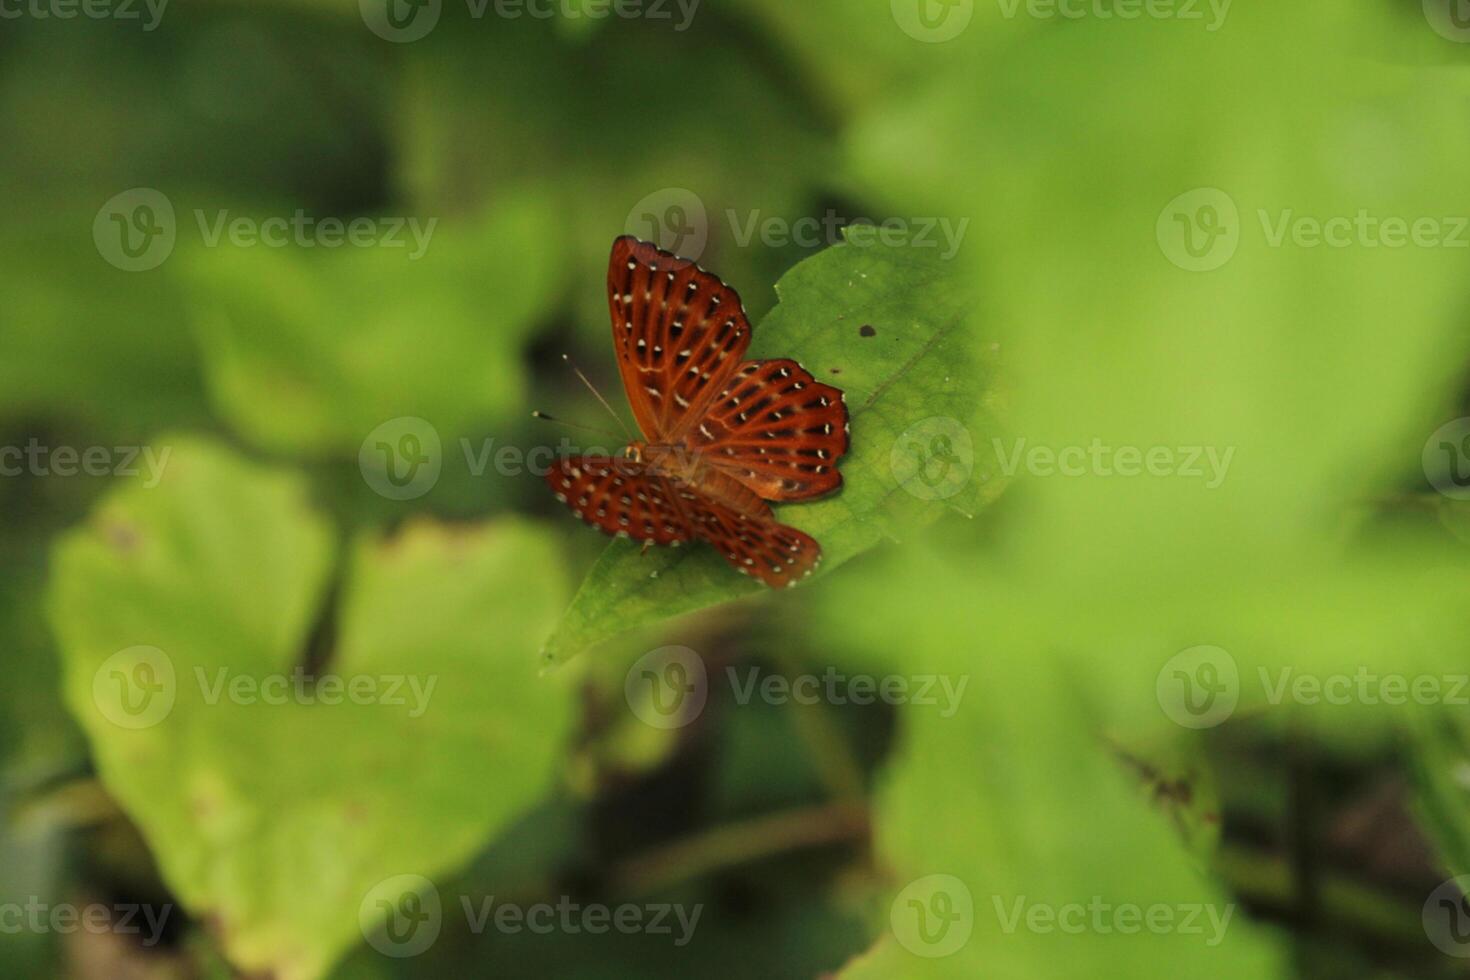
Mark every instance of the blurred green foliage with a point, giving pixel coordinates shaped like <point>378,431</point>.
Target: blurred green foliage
<point>1080,158</point>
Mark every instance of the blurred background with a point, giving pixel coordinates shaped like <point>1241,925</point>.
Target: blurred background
<point>281,283</point>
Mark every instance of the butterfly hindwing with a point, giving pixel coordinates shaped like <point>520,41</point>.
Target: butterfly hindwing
<point>778,555</point>
<point>620,497</point>
<point>776,429</point>
<point>679,333</point>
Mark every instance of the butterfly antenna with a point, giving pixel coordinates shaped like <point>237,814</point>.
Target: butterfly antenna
<point>585,428</point>
<point>598,395</point>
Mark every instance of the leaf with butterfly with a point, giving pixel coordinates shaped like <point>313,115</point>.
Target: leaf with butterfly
<point>724,434</point>
<point>887,324</point>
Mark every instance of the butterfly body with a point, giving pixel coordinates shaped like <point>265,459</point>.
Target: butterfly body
<point>723,435</point>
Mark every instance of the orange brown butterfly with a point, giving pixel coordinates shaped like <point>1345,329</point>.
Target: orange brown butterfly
<point>722,435</point>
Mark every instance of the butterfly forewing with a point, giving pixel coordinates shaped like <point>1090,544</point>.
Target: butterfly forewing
<point>678,330</point>
<point>776,430</point>
<point>621,497</point>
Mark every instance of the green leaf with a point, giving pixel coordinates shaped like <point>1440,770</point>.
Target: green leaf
<point>273,815</point>
<point>1440,765</point>
<point>122,380</point>
<point>890,326</point>
<point>1174,774</point>
<point>309,351</point>
<point>475,113</point>
<point>1013,803</point>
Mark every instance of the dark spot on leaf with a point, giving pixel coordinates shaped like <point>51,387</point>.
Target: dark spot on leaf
<point>866,330</point>
<point>123,537</point>
<point>837,370</point>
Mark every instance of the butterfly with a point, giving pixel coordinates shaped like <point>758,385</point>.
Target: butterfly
<point>722,435</point>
